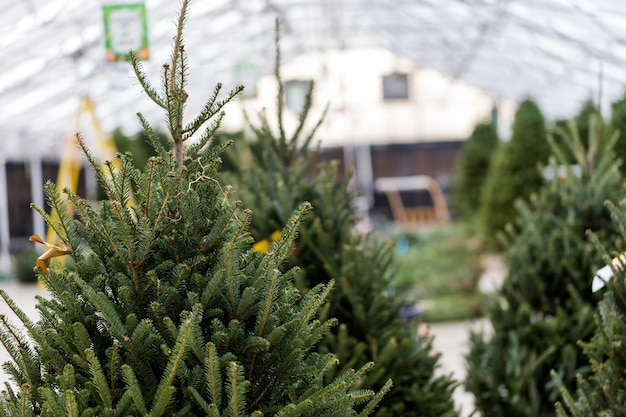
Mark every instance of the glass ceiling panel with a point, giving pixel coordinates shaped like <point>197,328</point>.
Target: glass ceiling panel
<point>553,50</point>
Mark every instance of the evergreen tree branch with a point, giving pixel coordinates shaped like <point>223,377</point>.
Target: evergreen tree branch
<point>307,141</point>
<point>282,138</point>
<point>59,219</point>
<point>105,181</point>
<point>268,298</point>
<point>143,80</point>
<point>236,390</point>
<point>52,402</point>
<point>212,108</point>
<point>165,390</point>
<point>302,117</point>
<point>71,407</point>
<point>152,135</point>
<point>134,388</point>
<point>209,133</point>
<point>213,376</point>
<point>18,348</point>
<point>114,323</point>
<point>376,400</point>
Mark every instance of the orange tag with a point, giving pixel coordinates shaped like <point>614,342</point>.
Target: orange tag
<point>54,251</point>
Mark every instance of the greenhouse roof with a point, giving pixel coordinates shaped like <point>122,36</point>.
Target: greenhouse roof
<point>559,52</point>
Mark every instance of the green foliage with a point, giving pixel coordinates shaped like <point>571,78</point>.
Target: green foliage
<point>618,124</point>
<point>513,173</point>
<point>472,169</point>
<point>167,312</point>
<point>602,391</point>
<point>584,117</point>
<point>545,306</point>
<point>275,173</point>
<point>449,251</point>
<point>582,120</point>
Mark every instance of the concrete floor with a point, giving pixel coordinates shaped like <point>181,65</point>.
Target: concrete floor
<point>451,341</point>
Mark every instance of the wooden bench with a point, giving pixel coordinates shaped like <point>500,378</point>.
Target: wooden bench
<point>414,215</point>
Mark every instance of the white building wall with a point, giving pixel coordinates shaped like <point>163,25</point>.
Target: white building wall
<point>350,82</point>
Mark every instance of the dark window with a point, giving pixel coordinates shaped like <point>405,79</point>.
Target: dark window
<point>396,86</point>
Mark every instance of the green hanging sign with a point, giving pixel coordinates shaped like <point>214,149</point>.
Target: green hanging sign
<point>247,74</point>
<point>125,30</point>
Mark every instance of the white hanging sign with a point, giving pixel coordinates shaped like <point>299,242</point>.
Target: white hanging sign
<point>606,272</point>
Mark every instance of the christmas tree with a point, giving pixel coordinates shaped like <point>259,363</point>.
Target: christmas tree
<point>472,169</point>
<point>513,172</point>
<point>602,391</point>
<point>618,123</point>
<point>166,311</point>
<point>274,174</point>
<point>546,306</point>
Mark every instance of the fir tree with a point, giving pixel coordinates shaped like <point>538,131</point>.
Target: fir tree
<point>618,124</point>
<point>602,392</point>
<point>472,169</point>
<point>278,171</point>
<point>166,311</point>
<point>588,109</point>
<point>513,173</point>
<point>545,305</point>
